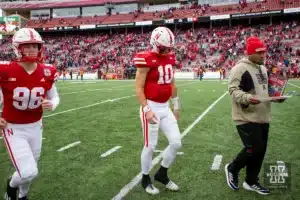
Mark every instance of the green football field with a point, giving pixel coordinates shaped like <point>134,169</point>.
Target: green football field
<point>97,116</point>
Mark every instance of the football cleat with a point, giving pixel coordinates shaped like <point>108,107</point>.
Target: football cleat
<point>172,186</point>
<point>256,188</point>
<point>11,193</point>
<point>164,179</point>
<point>23,198</point>
<point>148,186</point>
<point>151,189</point>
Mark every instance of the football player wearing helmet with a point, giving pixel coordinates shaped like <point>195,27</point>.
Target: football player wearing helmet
<point>155,86</point>
<point>28,88</point>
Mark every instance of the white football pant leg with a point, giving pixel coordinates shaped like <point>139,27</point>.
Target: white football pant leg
<point>36,147</point>
<point>19,140</point>
<point>150,132</point>
<point>169,126</point>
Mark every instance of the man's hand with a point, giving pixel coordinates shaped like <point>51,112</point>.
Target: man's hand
<point>3,123</point>
<point>254,100</point>
<point>177,114</point>
<point>47,105</point>
<point>151,117</point>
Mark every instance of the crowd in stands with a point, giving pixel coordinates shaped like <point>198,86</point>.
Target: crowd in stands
<point>210,49</point>
<point>19,0</point>
<point>183,9</point>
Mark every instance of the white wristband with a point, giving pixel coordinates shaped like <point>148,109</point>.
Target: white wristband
<point>146,109</point>
<point>54,105</point>
<point>175,102</point>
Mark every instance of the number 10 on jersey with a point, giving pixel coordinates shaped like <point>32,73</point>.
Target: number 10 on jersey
<point>165,74</point>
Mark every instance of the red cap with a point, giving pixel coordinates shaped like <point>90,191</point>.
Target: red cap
<point>255,45</point>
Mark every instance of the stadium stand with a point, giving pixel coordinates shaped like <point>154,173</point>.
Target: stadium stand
<point>210,48</point>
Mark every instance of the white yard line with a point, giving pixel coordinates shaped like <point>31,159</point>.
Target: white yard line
<point>179,85</point>
<point>112,88</point>
<point>87,106</point>
<point>91,90</point>
<point>85,82</point>
<point>69,85</point>
<point>110,151</point>
<point>217,162</point>
<point>69,146</point>
<point>115,80</point>
<point>126,189</point>
<point>201,116</point>
<point>131,80</point>
<point>160,151</point>
<point>294,85</point>
<point>98,103</point>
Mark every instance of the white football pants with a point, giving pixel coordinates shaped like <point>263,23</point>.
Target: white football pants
<point>168,124</point>
<point>24,143</point>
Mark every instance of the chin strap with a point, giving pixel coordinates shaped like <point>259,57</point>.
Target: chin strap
<point>30,59</point>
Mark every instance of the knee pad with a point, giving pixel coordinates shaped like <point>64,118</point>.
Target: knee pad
<point>176,145</point>
<point>29,174</point>
<point>151,147</point>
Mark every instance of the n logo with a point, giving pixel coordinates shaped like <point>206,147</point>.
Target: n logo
<point>8,131</point>
<point>157,36</point>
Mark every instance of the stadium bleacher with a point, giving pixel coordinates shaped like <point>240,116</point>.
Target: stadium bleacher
<point>211,48</point>
<point>201,47</point>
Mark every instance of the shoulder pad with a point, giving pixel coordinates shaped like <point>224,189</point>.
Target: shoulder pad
<point>141,59</point>
<point>48,65</point>
<point>5,63</point>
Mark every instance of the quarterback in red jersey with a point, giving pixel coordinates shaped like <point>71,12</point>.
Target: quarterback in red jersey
<point>155,86</point>
<point>28,88</point>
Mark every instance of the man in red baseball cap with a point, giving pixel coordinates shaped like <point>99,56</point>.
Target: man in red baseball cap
<point>249,80</point>
<point>256,50</point>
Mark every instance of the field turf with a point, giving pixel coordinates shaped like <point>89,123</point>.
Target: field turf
<point>100,115</point>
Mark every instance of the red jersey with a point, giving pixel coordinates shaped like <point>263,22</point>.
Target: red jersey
<point>23,92</point>
<point>158,86</point>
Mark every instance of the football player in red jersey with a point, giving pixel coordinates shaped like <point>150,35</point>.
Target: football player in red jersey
<point>28,88</point>
<point>155,86</point>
